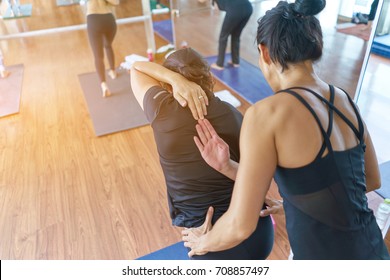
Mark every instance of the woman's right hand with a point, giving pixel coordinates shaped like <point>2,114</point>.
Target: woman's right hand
<point>274,206</point>
<point>190,94</point>
<point>192,237</point>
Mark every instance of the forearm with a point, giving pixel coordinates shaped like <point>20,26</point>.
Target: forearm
<point>227,233</point>
<point>157,71</point>
<point>230,170</point>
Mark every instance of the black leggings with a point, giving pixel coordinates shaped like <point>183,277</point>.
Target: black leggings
<point>374,7</point>
<point>101,32</point>
<point>257,247</point>
<point>234,22</point>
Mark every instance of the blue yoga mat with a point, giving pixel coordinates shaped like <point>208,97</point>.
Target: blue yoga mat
<point>164,29</point>
<point>247,80</point>
<point>384,190</point>
<point>381,46</point>
<point>176,251</point>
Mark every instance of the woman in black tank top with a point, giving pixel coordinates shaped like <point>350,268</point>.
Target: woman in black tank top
<point>310,137</point>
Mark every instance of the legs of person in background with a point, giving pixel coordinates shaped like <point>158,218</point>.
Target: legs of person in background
<point>227,27</point>
<point>235,39</point>
<point>371,15</point>
<point>101,33</point>
<point>234,22</point>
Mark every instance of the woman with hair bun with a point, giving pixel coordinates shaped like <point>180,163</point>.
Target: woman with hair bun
<point>309,137</point>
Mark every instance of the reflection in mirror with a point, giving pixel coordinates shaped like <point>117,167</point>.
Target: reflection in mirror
<point>199,25</point>
<point>161,17</point>
<point>59,13</point>
<point>373,97</point>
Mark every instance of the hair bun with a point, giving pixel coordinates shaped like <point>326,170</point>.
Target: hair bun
<point>308,7</point>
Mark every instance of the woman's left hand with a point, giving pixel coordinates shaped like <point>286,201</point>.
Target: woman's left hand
<point>193,237</point>
<point>190,94</point>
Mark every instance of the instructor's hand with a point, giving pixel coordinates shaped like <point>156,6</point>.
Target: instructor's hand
<point>194,237</point>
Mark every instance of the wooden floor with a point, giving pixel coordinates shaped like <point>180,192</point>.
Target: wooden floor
<point>67,194</point>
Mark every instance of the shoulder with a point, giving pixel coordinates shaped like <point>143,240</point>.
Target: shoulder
<point>272,109</point>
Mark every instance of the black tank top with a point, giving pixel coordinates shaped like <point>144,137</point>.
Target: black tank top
<point>327,214</point>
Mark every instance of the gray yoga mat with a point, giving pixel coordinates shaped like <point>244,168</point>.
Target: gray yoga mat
<point>114,113</point>
<point>10,90</point>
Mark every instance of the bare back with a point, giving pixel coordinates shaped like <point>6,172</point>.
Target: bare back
<point>298,136</point>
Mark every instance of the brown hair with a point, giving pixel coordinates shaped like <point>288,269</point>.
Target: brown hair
<point>192,66</point>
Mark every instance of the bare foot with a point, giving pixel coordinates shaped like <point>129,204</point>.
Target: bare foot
<point>216,67</point>
<point>4,74</point>
<point>106,92</point>
<point>112,74</point>
<point>233,64</point>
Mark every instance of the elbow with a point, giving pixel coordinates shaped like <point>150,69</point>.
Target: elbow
<point>373,184</point>
<point>243,229</point>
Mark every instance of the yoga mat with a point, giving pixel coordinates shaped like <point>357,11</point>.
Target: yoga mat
<point>67,2</point>
<point>114,113</point>
<point>247,80</point>
<point>381,46</point>
<point>176,251</point>
<point>163,28</point>
<point>10,90</point>
<point>355,30</point>
<point>384,190</point>
<point>25,11</point>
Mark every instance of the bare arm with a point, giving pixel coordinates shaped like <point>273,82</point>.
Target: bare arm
<point>257,165</point>
<point>184,91</point>
<point>373,179</point>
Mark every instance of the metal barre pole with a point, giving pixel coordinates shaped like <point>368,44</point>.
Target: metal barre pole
<point>67,28</point>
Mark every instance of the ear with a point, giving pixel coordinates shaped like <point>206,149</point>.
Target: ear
<point>264,54</point>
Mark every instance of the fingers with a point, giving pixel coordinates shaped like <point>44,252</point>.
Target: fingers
<point>204,124</point>
<point>201,134</point>
<point>198,143</point>
<point>199,105</point>
<point>191,253</point>
<point>265,213</point>
<point>209,216</point>
<point>196,100</point>
<point>181,100</point>
<point>274,206</point>
<point>210,129</point>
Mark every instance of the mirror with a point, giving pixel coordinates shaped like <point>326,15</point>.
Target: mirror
<point>372,95</point>
<point>48,15</point>
<point>198,24</point>
<point>347,59</point>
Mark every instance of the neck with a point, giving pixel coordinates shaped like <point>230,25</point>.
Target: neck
<point>301,74</point>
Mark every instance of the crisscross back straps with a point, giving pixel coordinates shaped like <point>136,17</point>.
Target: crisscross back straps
<point>324,134</point>
<point>358,132</point>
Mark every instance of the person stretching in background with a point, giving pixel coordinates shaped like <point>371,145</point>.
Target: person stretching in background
<point>237,15</point>
<point>101,27</point>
